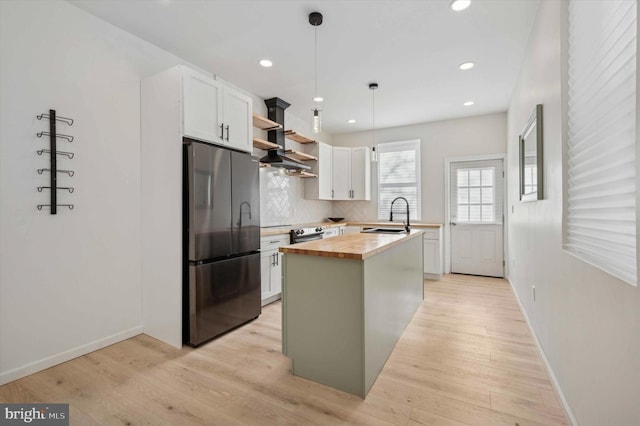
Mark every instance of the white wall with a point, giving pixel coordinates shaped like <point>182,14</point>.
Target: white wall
<point>587,322</point>
<point>478,135</point>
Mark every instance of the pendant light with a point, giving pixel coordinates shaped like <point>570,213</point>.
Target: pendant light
<point>315,19</point>
<point>374,155</point>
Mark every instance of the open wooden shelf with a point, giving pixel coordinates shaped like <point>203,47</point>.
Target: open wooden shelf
<point>295,136</point>
<point>300,156</point>
<point>302,174</point>
<point>265,123</point>
<point>262,144</point>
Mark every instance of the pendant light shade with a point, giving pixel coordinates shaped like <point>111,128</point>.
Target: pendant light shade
<point>317,124</point>
<point>315,19</point>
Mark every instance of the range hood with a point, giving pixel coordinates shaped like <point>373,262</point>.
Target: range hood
<point>277,157</point>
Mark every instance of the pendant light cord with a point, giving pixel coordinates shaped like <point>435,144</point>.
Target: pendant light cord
<point>316,64</point>
<point>373,87</point>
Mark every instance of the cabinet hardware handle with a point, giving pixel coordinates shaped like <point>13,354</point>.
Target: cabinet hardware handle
<point>332,193</point>
<point>273,260</point>
<point>222,131</point>
<point>227,132</point>
<point>277,259</point>
<point>273,242</point>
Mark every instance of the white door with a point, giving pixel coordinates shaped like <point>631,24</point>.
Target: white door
<point>238,125</point>
<point>202,102</point>
<point>476,194</point>
<point>361,173</point>
<point>341,173</point>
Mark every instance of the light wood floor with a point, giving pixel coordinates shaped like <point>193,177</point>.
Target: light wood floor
<point>466,358</point>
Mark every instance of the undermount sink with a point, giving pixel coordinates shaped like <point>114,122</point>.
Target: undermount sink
<point>386,231</point>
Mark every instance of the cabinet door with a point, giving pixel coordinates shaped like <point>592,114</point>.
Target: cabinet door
<point>431,257</point>
<point>202,113</point>
<point>276,274</point>
<point>360,173</point>
<point>266,266</point>
<point>325,171</point>
<point>341,173</point>
<point>237,121</point>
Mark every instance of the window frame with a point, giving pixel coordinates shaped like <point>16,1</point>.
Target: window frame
<point>415,145</point>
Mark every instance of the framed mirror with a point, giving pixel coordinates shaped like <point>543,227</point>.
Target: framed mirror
<point>530,141</point>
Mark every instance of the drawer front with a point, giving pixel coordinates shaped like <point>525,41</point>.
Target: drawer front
<point>431,234</point>
<point>273,242</point>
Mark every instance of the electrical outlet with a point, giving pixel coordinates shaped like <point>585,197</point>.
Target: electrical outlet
<point>533,289</point>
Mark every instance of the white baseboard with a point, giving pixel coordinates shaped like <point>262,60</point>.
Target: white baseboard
<point>554,380</point>
<point>34,367</point>
<point>435,277</point>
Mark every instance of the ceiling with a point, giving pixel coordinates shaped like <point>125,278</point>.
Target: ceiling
<point>412,49</point>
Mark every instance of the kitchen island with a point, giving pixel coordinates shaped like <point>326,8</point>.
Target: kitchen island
<point>346,302</point>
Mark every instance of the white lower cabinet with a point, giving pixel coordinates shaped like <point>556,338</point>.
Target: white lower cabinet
<point>351,230</point>
<point>271,267</point>
<point>334,231</point>
<point>432,241</point>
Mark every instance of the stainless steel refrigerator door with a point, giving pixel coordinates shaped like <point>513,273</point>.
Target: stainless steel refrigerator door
<point>209,175</point>
<point>245,199</point>
<point>223,295</point>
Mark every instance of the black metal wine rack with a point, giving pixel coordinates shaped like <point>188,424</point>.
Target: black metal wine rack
<point>53,153</point>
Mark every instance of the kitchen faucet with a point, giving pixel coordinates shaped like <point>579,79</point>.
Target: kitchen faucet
<point>407,225</point>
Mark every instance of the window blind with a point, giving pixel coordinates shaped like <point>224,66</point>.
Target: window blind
<point>399,176</point>
<point>601,213</point>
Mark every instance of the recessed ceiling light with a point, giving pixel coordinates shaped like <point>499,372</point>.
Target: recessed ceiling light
<point>266,63</point>
<point>466,65</point>
<point>318,99</point>
<point>459,5</point>
<point>351,121</point>
<point>468,103</point>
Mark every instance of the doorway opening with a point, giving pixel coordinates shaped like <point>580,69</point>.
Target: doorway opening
<point>474,228</point>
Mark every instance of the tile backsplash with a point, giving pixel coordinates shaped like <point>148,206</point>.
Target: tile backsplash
<point>361,211</point>
<point>282,200</point>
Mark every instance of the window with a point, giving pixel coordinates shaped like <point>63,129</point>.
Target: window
<point>476,195</point>
<point>476,191</point>
<point>399,176</point>
<point>601,200</point>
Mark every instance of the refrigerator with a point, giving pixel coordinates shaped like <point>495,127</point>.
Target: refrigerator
<point>221,240</point>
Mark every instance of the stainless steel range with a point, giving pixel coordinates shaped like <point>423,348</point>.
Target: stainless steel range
<point>302,235</point>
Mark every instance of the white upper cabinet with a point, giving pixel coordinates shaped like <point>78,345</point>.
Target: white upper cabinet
<point>351,173</point>
<point>321,188</point>
<point>361,173</point>
<point>341,173</point>
<point>202,106</point>
<point>211,111</point>
<point>236,120</point>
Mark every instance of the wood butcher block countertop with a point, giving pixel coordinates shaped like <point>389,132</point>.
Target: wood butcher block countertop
<point>352,246</point>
